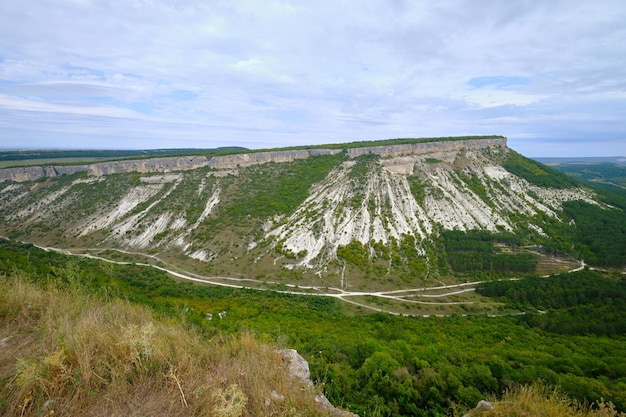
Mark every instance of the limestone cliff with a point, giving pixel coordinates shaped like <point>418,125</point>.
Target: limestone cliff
<point>387,151</point>
<point>33,173</point>
<point>148,165</point>
<point>170,164</point>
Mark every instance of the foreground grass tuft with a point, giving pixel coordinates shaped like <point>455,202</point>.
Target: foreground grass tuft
<point>539,401</point>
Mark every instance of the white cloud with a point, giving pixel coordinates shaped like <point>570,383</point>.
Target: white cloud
<point>287,72</point>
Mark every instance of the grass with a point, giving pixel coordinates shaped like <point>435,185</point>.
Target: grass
<point>66,352</point>
<point>540,401</point>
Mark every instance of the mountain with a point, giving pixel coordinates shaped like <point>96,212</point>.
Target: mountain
<point>358,216</point>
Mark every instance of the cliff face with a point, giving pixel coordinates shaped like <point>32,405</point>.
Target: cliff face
<point>428,147</point>
<point>248,159</point>
<point>33,173</point>
<point>239,160</point>
<point>148,165</point>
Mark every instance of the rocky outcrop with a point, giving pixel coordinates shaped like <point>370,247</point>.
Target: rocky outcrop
<point>66,170</point>
<point>22,174</point>
<point>299,369</point>
<point>105,168</point>
<point>481,408</point>
<point>182,163</point>
<point>257,158</point>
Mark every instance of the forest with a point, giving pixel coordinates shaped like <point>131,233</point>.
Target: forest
<point>476,251</point>
<point>581,302</point>
<point>608,173</point>
<point>377,364</point>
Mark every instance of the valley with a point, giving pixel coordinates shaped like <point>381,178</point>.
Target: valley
<point>439,300</point>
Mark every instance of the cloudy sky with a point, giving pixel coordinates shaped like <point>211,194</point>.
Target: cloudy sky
<point>548,74</point>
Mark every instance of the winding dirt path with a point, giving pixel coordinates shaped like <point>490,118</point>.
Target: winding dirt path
<point>403,295</point>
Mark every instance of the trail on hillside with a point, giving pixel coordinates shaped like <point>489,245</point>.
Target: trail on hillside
<point>402,295</point>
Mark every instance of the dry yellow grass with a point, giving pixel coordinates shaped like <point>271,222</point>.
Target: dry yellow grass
<point>540,401</point>
<point>71,353</point>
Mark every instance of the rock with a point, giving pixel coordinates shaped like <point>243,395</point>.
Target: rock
<point>299,368</point>
<point>21,174</point>
<point>256,158</point>
<point>480,408</point>
<point>484,405</point>
<point>276,396</point>
<point>427,147</point>
<point>170,164</point>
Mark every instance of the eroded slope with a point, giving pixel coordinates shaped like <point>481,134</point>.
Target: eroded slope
<point>385,205</point>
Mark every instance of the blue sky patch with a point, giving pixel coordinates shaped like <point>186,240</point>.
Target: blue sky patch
<point>183,95</point>
<point>500,82</point>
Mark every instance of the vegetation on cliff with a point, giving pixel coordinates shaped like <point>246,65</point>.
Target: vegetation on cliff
<point>536,173</point>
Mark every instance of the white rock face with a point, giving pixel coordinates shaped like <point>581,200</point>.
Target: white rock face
<point>383,207</point>
<point>133,198</point>
<point>328,218</point>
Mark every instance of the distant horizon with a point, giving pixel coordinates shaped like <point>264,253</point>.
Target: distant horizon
<point>551,147</point>
<point>10,149</point>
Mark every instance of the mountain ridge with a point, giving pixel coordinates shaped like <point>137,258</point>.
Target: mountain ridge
<point>369,218</point>
<point>243,158</point>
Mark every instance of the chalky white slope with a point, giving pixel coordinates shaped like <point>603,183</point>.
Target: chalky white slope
<point>381,207</point>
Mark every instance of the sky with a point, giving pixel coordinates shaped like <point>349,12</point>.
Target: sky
<point>550,75</point>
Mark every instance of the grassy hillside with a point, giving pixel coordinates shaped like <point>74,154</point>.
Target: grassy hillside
<point>67,351</point>
<point>79,314</point>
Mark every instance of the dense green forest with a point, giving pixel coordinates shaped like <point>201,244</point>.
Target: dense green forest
<point>601,230</point>
<point>376,364</point>
<point>609,173</point>
<point>476,251</point>
<point>593,232</point>
<point>578,303</point>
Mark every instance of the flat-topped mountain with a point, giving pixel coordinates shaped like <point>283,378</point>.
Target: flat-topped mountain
<point>352,216</point>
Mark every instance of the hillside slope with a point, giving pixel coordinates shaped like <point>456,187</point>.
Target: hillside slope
<point>316,216</point>
<point>66,351</point>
